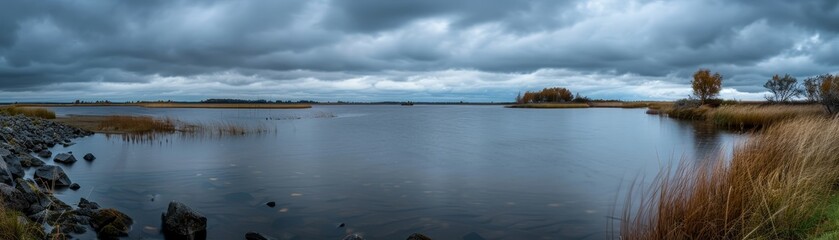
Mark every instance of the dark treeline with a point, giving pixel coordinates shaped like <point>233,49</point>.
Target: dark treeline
<point>228,100</point>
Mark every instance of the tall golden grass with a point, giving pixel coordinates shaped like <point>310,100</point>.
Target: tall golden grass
<point>751,116</point>
<point>775,186</point>
<point>744,116</point>
<point>28,111</point>
<point>135,124</point>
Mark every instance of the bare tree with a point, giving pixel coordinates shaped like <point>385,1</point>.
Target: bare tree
<point>812,87</point>
<point>782,88</point>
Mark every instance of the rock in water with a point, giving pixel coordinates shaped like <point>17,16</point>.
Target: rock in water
<point>257,236</point>
<point>353,237</point>
<point>418,236</point>
<point>473,236</point>
<point>110,223</point>
<point>271,204</point>
<point>75,186</point>
<point>45,153</point>
<point>181,220</point>
<point>89,157</point>
<point>52,176</point>
<point>65,158</point>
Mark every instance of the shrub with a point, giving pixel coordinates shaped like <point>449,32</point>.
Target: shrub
<point>706,85</point>
<point>829,92</point>
<point>782,88</point>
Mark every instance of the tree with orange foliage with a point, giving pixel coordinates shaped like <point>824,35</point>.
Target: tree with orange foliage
<point>556,94</point>
<point>705,85</point>
<point>830,93</point>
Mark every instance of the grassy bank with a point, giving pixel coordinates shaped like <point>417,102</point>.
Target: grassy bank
<point>587,105</point>
<point>28,111</point>
<point>780,184</point>
<point>744,116</point>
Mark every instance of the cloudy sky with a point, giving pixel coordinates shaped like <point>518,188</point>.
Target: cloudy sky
<point>428,50</point>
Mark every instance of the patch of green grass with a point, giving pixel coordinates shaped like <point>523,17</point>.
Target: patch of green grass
<point>825,225</point>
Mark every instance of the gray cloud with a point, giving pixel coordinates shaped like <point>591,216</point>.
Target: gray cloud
<point>130,48</point>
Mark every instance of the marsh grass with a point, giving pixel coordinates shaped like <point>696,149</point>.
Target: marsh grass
<point>14,226</point>
<point>136,124</point>
<point>775,186</point>
<point>147,128</point>
<point>744,117</point>
<point>28,111</point>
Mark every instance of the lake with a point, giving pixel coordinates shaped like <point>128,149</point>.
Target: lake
<point>388,171</point>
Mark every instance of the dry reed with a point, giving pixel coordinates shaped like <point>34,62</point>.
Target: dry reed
<point>774,187</point>
<point>28,111</point>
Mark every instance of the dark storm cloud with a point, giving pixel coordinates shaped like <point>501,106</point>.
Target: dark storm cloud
<point>363,48</point>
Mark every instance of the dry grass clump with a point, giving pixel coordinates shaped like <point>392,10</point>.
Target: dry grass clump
<point>774,187</point>
<point>550,105</point>
<point>751,116</point>
<point>635,105</point>
<point>28,111</point>
<point>135,124</point>
<point>14,226</point>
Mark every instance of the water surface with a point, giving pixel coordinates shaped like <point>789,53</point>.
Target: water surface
<point>388,171</point>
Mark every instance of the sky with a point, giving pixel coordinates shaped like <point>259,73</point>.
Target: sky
<point>400,50</point>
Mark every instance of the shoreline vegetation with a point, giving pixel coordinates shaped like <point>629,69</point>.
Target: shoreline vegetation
<point>603,104</point>
<point>779,184</point>
<point>147,126</point>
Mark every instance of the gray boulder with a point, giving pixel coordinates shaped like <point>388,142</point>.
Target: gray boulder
<point>257,236</point>
<point>27,160</point>
<point>181,220</point>
<point>110,223</point>
<point>14,166</point>
<point>353,237</point>
<point>52,176</point>
<point>5,175</point>
<point>89,157</point>
<point>11,198</point>
<point>45,153</point>
<point>418,236</point>
<point>65,158</point>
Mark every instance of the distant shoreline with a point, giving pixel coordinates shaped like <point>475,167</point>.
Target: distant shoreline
<point>176,105</point>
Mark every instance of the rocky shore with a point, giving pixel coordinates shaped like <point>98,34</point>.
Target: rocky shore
<point>25,141</point>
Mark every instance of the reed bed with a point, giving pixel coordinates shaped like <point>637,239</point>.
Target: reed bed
<point>754,116</point>
<point>147,128</point>
<point>28,111</point>
<point>777,185</point>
